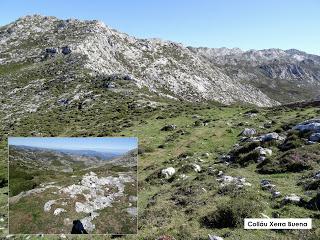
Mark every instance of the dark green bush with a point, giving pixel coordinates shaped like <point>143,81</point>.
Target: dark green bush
<point>231,214</point>
<point>247,158</point>
<point>312,185</point>
<point>145,149</point>
<point>252,111</point>
<point>186,169</point>
<point>185,154</point>
<point>295,161</point>
<point>314,203</point>
<point>246,148</point>
<point>292,141</point>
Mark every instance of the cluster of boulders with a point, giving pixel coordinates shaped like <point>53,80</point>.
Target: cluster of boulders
<point>291,198</point>
<point>224,180</point>
<point>248,136</point>
<point>168,172</point>
<point>312,126</point>
<point>266,185</point>
<point>51,52</point>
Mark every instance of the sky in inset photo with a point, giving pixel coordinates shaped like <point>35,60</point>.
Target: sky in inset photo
<point>103,144</point>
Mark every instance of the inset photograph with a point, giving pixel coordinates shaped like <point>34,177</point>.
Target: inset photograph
<point>68,185</point>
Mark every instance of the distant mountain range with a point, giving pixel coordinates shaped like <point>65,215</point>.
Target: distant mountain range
<point>59,68</point>
<point>91,153</point>
<point>66,160</point>
<point>103,155</point>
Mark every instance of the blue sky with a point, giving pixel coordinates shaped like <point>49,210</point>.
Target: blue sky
<point>248,24</point>
<point>114,144</point>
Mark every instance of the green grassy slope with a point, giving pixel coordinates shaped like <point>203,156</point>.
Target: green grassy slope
<point>181,208</point>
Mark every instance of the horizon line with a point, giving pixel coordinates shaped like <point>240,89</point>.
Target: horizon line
<point>163,39</point>
<point>86,149</point>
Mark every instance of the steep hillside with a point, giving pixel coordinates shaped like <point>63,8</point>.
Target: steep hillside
<point>47,51</point>
<point>128,159</point>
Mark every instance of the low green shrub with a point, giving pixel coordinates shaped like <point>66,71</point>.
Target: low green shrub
<point>231,214</point>
<point>247,158</point>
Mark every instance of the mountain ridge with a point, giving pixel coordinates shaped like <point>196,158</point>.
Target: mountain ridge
<point>46,61</point>
<point>81,152</point>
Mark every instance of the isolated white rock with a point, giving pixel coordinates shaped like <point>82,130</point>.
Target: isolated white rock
<point>196,167</point>
<point>133,211</point>
<point>248,132</point>
<point>58,211</point>
<point>276,194</point>
<point>62,236</point>
<point>214,237</point>
<point>133,199</point>
<point>292,198</point>
<point>206,155</point>
<point>47,205</point>
<point>264,151</point>
<point>168,172</point>
<point>183,176</point>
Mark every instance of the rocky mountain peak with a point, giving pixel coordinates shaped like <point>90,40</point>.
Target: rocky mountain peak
<point>165,68</point>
